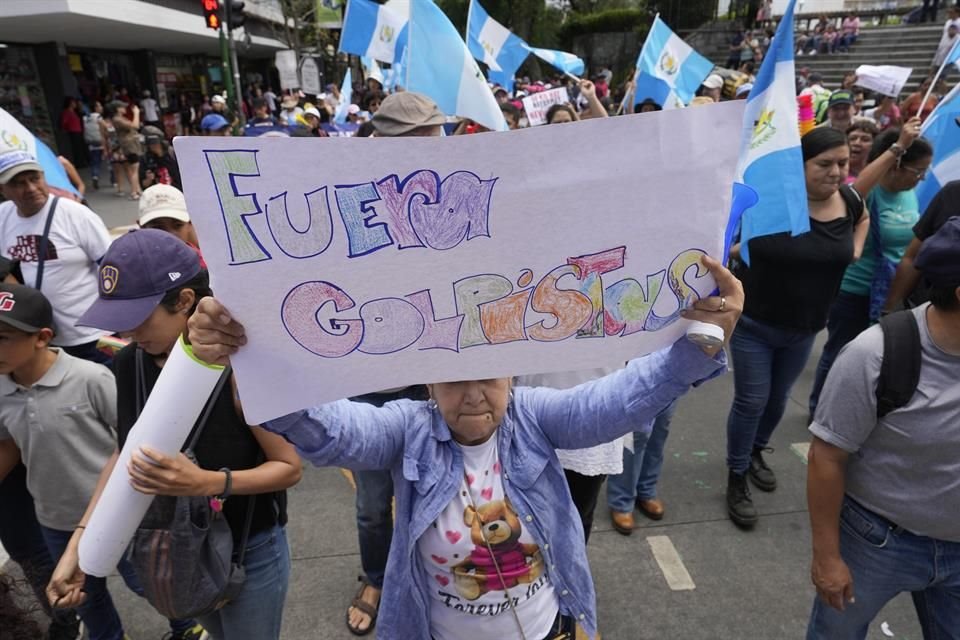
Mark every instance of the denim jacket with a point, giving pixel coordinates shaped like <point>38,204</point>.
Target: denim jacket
<point>414,442</point>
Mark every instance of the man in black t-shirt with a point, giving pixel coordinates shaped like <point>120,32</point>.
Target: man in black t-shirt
<point>906,288</point>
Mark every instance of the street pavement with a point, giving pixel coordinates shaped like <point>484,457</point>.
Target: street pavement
<point>727,583</point>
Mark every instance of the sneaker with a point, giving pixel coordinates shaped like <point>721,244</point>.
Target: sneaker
<point>195,632</point>
<point>96,184</point>
<point>739,505</point>
<point>760,474</point>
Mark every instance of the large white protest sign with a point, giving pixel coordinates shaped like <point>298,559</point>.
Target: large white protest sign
<point>536,105</point>
<point>286,62</point>
<point>363,264</point>
<point>310,76</point>
<point>885,79</point>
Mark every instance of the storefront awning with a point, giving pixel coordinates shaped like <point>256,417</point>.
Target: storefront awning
<point>119,24</point>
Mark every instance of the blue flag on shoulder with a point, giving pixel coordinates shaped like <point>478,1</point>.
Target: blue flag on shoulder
<point>372,30</point>
<point>771,162</point>
<point>440,66</point>
<point>492,43</point>
<point>669,71</point>
<point>942,129</point>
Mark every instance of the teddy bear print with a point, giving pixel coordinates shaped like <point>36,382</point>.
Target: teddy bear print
<point>519,563</point>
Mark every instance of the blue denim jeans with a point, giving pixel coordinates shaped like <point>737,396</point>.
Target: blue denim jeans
<point>849,316</point>
<point>98,611</point>
<point>374,522</point>
<point>374,503</point>
<point>96,159</point>
<point>641,469</point>
<point>766,363</point>
<point>258,611</point>
<point>884,561</point>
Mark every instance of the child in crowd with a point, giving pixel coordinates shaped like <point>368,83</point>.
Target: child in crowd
<point>59,413</point>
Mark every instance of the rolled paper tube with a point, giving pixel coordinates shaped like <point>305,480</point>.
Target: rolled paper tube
<point>174,405</point>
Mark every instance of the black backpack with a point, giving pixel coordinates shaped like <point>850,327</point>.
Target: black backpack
<point>900,369</point>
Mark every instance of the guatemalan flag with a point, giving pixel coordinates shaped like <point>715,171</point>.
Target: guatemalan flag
<point>14,135</point>
<point>942,129</point>
<point>492,43</point>
<point>669,71</point>
<point>771,162</point>
<point>346,98</point>
<point>439,65</point>
<point>372,30</point>
<point>566,62</point>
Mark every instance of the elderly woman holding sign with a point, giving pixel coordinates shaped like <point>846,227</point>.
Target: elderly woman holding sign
<point>487,542</point>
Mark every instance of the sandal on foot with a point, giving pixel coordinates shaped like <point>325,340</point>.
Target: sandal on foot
<point>364,607</point>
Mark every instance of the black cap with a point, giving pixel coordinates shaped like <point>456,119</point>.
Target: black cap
<point>25,308</point>
<point>939,257</point>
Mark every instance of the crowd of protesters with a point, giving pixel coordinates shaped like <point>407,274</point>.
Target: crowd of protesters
<point>70,398</point>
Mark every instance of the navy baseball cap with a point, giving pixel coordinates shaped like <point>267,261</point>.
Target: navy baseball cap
<point>939,257</point>
<point>137,271</point>
<point>25,308</point>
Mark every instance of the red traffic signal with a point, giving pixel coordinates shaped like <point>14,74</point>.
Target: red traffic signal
<point>211,13</point>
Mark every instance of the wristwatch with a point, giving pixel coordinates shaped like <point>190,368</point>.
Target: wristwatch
<point>897,149</point>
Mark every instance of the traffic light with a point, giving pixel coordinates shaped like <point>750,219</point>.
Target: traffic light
<point>235,17</point>
<point>211,13</point>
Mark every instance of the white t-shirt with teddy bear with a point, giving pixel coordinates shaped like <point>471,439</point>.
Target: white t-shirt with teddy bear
<point>469,599</point>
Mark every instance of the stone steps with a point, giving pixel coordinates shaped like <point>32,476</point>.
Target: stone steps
<point>903,46</point>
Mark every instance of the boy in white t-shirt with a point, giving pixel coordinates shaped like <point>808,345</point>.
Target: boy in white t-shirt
<point>76,241</point>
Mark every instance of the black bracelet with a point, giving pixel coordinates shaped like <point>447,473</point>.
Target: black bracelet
<point>228,485</point>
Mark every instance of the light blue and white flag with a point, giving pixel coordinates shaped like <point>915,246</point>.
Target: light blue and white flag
<point>566,62</point>
<point>394,76</point>
<point>492,43</point>
<point>440,66</point>
<point>669,71</point>
<point>372,30</point>
<point>346,97</point>
<point>16,137</point>
<point>771,161</point>
<point>942,129</point>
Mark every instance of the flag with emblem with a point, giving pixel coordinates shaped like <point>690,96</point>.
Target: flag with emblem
<point>372,30</point>
<point>566,62</point>
<point>14,136</point>
<point>440,66</point>
<point>771,162</point>
<point>492,43</point>
<point>669,71</point>
<point>942,129</point>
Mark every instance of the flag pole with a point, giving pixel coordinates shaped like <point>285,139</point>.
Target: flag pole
<point>636,75</point>
<point>936,78</point>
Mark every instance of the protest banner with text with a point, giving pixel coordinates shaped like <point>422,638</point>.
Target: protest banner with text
<point>364,264</point>
<point>536,105</point>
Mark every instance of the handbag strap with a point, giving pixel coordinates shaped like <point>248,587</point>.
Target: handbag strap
<point>141,395</point>
<point>45,243</point>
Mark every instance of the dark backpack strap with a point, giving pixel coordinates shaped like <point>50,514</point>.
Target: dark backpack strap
<point>900,369</point>
<point>45,243</point>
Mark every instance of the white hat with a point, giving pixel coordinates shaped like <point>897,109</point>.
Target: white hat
<point>218,98</point>
<point>311,111</point>
<point>713,81</point>
<point>353,109</point>
<point>162,201</point>
<point>15,161</point>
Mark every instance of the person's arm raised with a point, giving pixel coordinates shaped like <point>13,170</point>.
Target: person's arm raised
<point>874,172</point>
<point>344,433</point>
<point>604,409</point>
<point>588,90</point>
